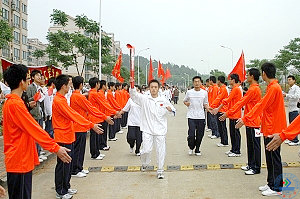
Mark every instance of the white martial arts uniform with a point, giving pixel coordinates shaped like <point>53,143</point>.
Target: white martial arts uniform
<point>153,126</point>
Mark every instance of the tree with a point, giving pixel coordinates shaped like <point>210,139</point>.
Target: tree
<point>217,73</point>
<point>38,54</point>
<point>256,63</point>
<point>6,34</point>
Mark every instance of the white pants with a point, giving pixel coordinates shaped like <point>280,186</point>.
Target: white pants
<point>147,145</point>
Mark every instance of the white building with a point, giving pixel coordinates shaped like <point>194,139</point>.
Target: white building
<point>33,45</point>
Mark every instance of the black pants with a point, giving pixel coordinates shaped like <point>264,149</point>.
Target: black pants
<point>195,133</point>
<point>274,167</point>
<point>103,137</point>
<point>94,144</point>
<point>253,149</point>
<point>235,137</point>
<point>112,130</point>
<point>79,151</point>
<point>208,120</point>
<point>124,119</point>
<point>213,124</point>
<point>175,99</point>
<point>222,130</point>
<point>292,116</point>
<point>118,124</point>
<point>63,172</point>
<point>19,185</point>
<point>134,135</point>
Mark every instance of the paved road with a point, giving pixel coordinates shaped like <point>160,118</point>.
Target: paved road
<point>211,183</point>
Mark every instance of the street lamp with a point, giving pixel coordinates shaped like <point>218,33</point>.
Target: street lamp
<point>184,82</point>
<point>100,33</point>
<point>139,63</point>
<point>147,73</point>
<point>188,78</point>
<point>231,54</point>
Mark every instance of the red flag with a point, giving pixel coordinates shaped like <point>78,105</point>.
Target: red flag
<point>150,75</point>
<point>131,50</point>
<point>160,70</point>
<point>168,74</point>
<point>37,96</point>
<point>117,69</point>
<point>50,91</point>
<point>5,64</point>
<point>240,68</point>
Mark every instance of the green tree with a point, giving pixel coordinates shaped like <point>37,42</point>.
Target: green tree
<point>6,34</point>
<point>217,73</point>
<point>256,63</point>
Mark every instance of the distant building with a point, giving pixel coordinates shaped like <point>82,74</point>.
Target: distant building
<point>33,45</point>
<point>15,13</point>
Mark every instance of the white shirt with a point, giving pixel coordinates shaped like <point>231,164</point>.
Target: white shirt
<point>48,101</point>
<point>153,112</point>
<point>134,113</point>
<point>5,89</point>
<point>68,96</point>
<point>293,98</point>
<point>197,100</point>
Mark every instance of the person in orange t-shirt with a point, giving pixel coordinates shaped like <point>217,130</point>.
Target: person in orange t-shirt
<point>222,94</point>
<point>125,95</point>
<point>79,103</point>
<point>250,99</point>
<point>63,119</point>
<point>20,131</point>
<point>212,94</point>
<point>119,100</point>
<point>272,108</point>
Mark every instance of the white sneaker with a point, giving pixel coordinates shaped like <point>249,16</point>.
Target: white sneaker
<point>42,152</point>
<point>198,154</point>
<point>293,143</point>
<point>245,168</point>
<point>85,171</point>
<point>79,175</point>
<point>234,155</point>
<point>106,148</point>
<point>113,139</point>
<point>66,196</point>
<point>98,158</point>
<point>160,176</point>
<point>72,191</point>
<point>102,155</point>
<point>286,141</point>
<point>138,154</point>
<point>228,152</point>
<point>222,145</point>
<point>120,132</point>
<point>250,172</point>
<point>209,135</point>
<point>190,152</point>
<point>213,137</point>
<point>43,157</point>
<point>131,150</point>
<point>270,192</point>
<point>41,160</point>
<point>264,188</point>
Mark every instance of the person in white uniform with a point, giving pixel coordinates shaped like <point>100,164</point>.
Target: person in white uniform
<point>196,100</point>
<point>154,111</point>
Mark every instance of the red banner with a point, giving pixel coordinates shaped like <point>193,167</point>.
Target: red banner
<point>117,69</point>
<point>240,68</point>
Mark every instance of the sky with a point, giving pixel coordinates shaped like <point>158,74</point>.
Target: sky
<point>185,32</point>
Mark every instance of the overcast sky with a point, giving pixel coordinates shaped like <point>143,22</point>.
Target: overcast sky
<point>185,32</point>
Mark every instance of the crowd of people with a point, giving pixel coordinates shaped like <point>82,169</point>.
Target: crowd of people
<point>56,117</point>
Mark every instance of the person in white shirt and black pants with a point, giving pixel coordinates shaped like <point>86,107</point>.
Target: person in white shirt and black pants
<point>196,100</point>
<point>293,97</point>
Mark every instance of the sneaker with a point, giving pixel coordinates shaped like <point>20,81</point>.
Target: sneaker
<point>120,132</point>
<point>98,158</point>
<point>66,196</point>
<point>198,154</point>
<point>85,171</point>
<point>79,175</point>
<point>102,155</point>
<point>270,192</point>
<point>228,152</point>
<point>286,141</point>
<point>209,135</point>
<point>106,148</point>
<point>131,150</point>
<point>42,152</point>
<point>222,145</point>
<point>293,143</point>
<point>113,139</point>
<point>41,160</point>
<point>245,168</point>
<point>264,188</point>
<point>143,168</point>
<point>234,155</point>
<point>160,176</point>
<point>72,191</point>
<point>190,152</point>
<point>43,157</point>
<point>250,172</point>
<point>138,154</point>
<point>213,137</point>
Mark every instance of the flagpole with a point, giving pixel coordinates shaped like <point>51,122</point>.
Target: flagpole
<point>100,48</point>
<point>231,54</point>
<point>147,73</point>
<point>138,59</point>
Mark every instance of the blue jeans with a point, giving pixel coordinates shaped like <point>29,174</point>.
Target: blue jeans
<point>49,128</point>
<point>292,116</point>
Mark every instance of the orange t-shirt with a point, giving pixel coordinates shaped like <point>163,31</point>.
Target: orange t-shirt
<point>84,107</point>
<point>271,106</point>
<point>63,117</point>
<point>234,96</point>
<point>20,131</point>
<point>222,94</point>
<point>252,97</point>
<point>292,130</point>
<point>112,100</point>
<point>100,102</point>
<point>212,93</point>
<point>119,98</point>
<point>125,96</point>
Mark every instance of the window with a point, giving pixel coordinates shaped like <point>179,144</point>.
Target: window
<point>5,2</point>
<point>5,14</point>
<point>24,24</point>
<point>16,54</point>
<point>24,55</point>
<point>24,39</point>
<point>5,51</point>
<point>16,37</point>
<point>24,8</point>
<point>16,21</point>
<point>17,4</point>
<point>30,47</point>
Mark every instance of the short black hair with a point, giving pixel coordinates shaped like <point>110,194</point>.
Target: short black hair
<point>124,85</point>
<point>14,75</point>
<point>50,81</point>
<point>34,72</point>
<point>102,83</point>
<point>207,80</point>
<point>61,80</point>
<point>235,77</point>
<point>197,77</point>
<point>226,84</point>
<point>111,84</point>
<point>138,87</point>
<point>77,81</point>
<point>292,76</point>
<point>255,73</point>
<point>93,82</point>
<point>213,79</point>
<point>154,81</point>
<point>118,85</point>
<point>221,79</point>
<point>269,69</point>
